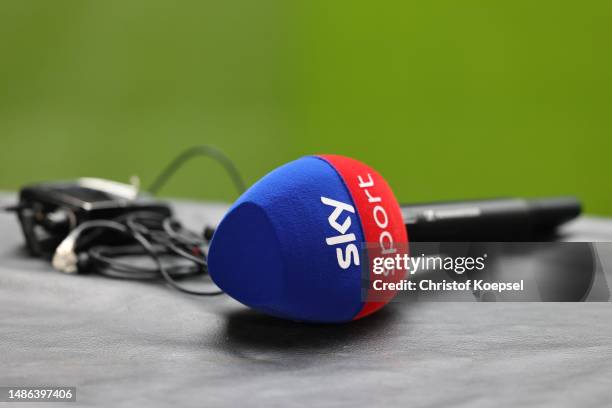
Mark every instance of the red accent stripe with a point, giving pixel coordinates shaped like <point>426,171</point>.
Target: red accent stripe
<point>381,219</point>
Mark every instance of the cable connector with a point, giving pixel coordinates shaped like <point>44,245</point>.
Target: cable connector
<point>65,259</point>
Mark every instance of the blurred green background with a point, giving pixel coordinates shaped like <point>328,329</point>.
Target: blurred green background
<point>446,99</point>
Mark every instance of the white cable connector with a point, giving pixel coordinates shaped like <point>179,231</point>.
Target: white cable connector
<point>65,259</point>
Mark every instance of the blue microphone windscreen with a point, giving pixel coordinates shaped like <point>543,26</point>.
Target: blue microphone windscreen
<point>288,246</point>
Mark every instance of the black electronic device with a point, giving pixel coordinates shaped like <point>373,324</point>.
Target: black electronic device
<point>49,211</point>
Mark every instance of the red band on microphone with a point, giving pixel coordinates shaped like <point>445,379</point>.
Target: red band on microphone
<point>381,221</point>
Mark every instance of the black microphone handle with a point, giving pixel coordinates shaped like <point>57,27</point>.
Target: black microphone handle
<point>494,220</point>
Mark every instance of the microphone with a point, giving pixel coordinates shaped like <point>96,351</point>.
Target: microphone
<point>291,245</point>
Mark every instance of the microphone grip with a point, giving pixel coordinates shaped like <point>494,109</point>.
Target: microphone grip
<point>493,220</point>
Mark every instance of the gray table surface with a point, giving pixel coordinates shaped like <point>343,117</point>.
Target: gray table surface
<point>127,343</point>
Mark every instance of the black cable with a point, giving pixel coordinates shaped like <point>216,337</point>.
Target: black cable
<point>190,153</point>
<point>87,240</point>
<point>106,256</point>
<point>187,237</point>
<point>161,180</point>
<point>169,280</point>
<point>103,257</point>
